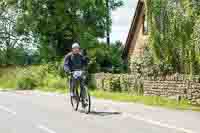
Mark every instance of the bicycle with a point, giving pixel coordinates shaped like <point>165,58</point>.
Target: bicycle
<point>78,94</point>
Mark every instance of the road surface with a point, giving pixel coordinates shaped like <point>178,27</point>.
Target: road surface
<point>36,112</point>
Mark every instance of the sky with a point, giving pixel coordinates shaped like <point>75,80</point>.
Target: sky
<point>122,19</point>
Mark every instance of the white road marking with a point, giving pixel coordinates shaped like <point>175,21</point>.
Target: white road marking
<point>157,123</point>
<point>7,110</point>
<point>44,128</point>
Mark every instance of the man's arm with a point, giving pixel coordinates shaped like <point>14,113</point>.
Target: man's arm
<point>85,58</point>
<point>85,61</point>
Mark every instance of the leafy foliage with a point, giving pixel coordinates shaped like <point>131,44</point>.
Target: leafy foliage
<point>26,80</point>
<point>59,23</point>
<point>43,76</point>
<point>106,58</point>
<point>52,26</point>
<point>13,47</point>
<point>172,25</point>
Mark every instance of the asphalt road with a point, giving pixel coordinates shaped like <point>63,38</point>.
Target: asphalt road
<point>35,112</point>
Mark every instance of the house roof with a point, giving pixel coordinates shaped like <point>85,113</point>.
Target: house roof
<point>132,30</point>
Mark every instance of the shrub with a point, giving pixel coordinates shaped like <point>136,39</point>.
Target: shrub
<point>58,84</point>
<point>146,65</point>
<point>138,86</point>
<point>115,84</point>
<point>55,82</point>
<point>60,69</point>
<point>26,80</point>
<point>56,68</point>
<point>31,77</point>
<point>8,77</point>
<point>93,66</point>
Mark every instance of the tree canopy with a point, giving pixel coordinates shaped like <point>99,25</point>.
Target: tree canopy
<point>58,23</point>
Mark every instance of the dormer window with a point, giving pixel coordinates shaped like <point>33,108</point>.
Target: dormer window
<point>145,25</point>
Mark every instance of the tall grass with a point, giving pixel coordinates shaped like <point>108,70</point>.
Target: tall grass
<point>31,78</point>
<point>8,77</point>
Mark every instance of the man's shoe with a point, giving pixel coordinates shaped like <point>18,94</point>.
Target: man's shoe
<point>72,94</point>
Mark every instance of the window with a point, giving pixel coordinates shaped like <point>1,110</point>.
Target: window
<point>145,25</point>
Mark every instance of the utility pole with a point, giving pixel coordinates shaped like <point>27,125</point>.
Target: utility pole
<point>108,23</point>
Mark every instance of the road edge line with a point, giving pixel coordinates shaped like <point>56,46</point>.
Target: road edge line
<point>158,123</point>
<point>7,110</point>
<point>46,129</point>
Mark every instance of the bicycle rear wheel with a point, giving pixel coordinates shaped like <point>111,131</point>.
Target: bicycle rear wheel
<point>75,100</point>
<point>86,101</point>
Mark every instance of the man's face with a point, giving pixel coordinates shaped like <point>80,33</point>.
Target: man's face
<point>76,50</point>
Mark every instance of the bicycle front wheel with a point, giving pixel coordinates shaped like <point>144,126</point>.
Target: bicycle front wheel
<point>75,100</point>
<point>86,101</point>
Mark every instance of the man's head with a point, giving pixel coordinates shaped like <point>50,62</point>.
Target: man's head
<point>75,48</point>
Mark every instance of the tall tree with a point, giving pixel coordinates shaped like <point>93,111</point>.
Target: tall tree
<point>58,23</point>
<point>11,44</point>
<point>108,23</point>
<point>110,5</point>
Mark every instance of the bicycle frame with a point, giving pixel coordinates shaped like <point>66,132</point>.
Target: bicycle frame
<point>83,96</point>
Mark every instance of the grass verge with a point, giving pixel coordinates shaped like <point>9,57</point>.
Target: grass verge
<point>146,100</point>
<point>8,78</point>
<point>125,97</point>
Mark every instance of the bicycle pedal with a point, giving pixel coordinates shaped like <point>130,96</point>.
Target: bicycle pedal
<point>84,105</point>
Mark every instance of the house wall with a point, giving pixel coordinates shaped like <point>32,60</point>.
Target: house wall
<point>138,42</point>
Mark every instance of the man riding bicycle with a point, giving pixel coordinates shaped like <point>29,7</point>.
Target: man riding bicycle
<point>75,61</point>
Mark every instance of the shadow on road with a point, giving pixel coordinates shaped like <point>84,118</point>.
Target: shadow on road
<point>104,113</point>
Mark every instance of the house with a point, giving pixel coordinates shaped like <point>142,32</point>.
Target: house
<point>137,36</point>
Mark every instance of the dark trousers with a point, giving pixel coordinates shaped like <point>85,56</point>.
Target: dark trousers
<point>74,85</point>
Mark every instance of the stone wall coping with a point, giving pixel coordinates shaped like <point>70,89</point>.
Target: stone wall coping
<point>174,77</point>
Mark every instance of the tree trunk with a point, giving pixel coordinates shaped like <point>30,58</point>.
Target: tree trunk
<point>108,23</point>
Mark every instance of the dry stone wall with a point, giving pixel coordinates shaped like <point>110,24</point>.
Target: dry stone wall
<point>176,86</point>
<point>117,82</point>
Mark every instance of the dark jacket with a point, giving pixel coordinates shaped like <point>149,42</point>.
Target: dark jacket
<point>74,62</point>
